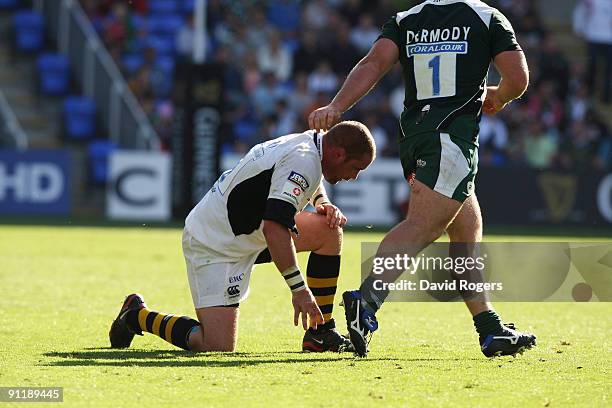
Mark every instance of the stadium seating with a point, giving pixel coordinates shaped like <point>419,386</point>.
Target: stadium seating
<point>98,153</point>
<point>28,28</point>
<point>162,45</point>
<point>139,23</point>
<point>165,66</point>
<point>245,130</point>
<point>54,74</point>
<point>9,4</point>
<point>79,117</point>
<point>132,62</point>
<point>164,24</point>
<point>164,6</point>
<point>188,6</point>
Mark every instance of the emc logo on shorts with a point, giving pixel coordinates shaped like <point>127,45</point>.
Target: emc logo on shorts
<point>238,278</point>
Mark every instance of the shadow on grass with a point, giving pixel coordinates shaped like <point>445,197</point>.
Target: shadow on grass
<point>178,358</point>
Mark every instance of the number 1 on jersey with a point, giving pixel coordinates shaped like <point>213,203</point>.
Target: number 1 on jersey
<point>434,64</point>
<point>435,75</point>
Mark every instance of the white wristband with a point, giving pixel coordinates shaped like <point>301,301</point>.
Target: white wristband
<point>294,278</point>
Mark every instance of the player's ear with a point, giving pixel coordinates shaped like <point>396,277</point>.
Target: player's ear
<point>340,154</point>
<point>337,154</point>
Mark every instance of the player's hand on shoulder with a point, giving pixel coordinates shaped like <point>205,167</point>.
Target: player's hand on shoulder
<point>335,217</point>
<point>493,104</point>
<point>305,304</point>
<point>324,118</point>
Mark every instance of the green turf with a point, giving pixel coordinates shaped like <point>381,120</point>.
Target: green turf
<point>61,287</point>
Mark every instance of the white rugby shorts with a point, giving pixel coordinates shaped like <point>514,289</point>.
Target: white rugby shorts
<point>215,283</point>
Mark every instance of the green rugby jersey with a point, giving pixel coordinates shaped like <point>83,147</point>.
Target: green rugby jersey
<point>446,47</point>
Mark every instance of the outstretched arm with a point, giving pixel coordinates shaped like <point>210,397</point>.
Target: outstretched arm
<point>362,78</point>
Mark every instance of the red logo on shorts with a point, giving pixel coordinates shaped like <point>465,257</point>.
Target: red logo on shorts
<point>411,177</point>
<point>297,191</point>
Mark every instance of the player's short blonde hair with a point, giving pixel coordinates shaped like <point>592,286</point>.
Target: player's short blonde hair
<point>354,137</point>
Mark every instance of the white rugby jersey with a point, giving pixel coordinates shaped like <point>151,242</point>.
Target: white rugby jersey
<point>274,180</point>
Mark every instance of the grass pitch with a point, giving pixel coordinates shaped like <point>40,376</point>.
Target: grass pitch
<point>61,287</point>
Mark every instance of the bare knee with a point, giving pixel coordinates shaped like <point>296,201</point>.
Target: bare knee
<point>467,225</point>
<point>200,342</point>
<point>464,233</point>
<point>430,212</point>
<point>210,348</point>
<point>219,329</point>
<point>316,235</point>
<point>229,346</point>
<point>212,342</point>
<point>331,239</point>
<point>424,229</point>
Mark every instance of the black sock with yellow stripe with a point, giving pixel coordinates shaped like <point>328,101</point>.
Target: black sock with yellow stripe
<point>322,275</point>
<point>173,329</point>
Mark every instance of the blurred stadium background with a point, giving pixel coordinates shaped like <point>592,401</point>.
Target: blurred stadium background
<point>128,110</point>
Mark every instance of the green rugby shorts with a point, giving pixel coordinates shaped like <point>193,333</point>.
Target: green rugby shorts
<point>445,163</point>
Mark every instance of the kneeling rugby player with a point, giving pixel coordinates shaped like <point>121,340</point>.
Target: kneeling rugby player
<point>254,214</point>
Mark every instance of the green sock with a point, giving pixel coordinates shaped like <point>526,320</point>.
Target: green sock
<point>487,322</point>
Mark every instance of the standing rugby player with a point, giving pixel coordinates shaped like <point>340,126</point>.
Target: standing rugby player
<point>445,48</point>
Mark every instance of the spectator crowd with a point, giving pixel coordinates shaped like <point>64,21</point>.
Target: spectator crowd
<point>284,58</point>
